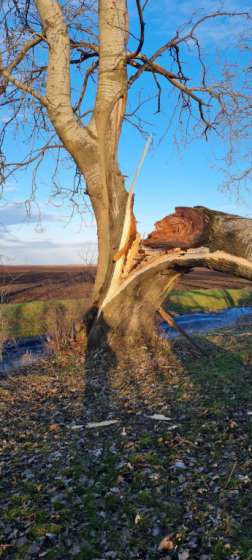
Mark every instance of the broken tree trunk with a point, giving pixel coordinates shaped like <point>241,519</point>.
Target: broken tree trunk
<point>188,227</point>
<point>189,238</point>
<point>199,226</point>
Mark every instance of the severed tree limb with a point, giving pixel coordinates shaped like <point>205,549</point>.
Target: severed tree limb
<point>193,227</point>
<point>173,323</point>
<point>226,240</point>
<point>186,228</point>
<point>130,307</point>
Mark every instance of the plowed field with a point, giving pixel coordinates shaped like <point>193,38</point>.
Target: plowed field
<point>20,284</point>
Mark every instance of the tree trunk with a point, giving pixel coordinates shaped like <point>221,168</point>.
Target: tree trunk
<point>133,278</point>
<point>127,315</point>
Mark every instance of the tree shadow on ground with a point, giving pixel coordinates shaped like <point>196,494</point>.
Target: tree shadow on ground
<point>125,487</point>
<point>142,380</point>
<point>98,364</point>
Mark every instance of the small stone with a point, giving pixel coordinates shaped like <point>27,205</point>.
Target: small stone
<point>13,535</point>
<point>34,549</point>
<point>75,550</point>
<point>51,535</point>
<point>183,555</point>
<point>180,465</point>
<point>21,541</point>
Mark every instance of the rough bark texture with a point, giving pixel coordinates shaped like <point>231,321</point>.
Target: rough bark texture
<point>94,148</point>
<point>194,227</point>
<point>133,278</point>
<point>129,315</point>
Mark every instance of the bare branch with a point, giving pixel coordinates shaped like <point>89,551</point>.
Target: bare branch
<point>141,40</point>
<point>8,77</point>
<point>88,73</point>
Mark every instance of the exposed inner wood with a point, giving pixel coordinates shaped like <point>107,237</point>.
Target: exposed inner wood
<point>219,260</point>
<point>131,234</point>
<point>187,227</point>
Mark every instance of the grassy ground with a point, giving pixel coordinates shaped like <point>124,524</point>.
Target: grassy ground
<point>36,318</point>
<point>39,317</point>
<point>114,493</point>
<point>206,300</point>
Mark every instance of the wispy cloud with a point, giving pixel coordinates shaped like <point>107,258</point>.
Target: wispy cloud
<point>171,14</point>
<point>10,189</point>
<point>14,214</point>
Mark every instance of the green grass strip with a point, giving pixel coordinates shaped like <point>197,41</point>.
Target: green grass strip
<point>40,317</point>
<point>206,300</point>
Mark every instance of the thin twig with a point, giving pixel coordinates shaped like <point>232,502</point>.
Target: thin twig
<point>235,465</point>
<point>141,161</point>
<point>171,322</point>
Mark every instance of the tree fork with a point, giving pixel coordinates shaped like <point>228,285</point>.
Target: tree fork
<point>128,314</point>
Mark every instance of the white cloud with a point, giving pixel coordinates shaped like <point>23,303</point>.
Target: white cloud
<point>14,214</point>
<point>45,252</point>
<point>10,189</point>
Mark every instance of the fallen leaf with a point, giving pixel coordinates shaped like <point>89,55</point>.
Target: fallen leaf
<point>137,518</point>
<point>160,417</point>
<point>129,445</point>
<point>101,424</point>
<point>166,544</point>
<point>53,427</point>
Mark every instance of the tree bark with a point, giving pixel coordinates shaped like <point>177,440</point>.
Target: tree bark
<point>93,148</point>
<point>133,278</point>
<point>128,316</point>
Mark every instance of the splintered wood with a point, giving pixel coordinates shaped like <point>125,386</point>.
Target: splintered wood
<point>188,227</point>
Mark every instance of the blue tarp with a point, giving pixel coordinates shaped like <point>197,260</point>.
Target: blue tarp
<point>25,351</point>
<point>203,322</point>
<point>28,350</point>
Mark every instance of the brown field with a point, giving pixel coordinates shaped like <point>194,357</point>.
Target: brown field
<point>20,284</point>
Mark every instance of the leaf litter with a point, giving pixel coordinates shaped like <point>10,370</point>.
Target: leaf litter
<point>120,491</point>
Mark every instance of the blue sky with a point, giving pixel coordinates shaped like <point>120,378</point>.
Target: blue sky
<point>163,182</point>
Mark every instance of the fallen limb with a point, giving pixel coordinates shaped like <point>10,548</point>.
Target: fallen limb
<point>173,323</point>
<point>129,309</point>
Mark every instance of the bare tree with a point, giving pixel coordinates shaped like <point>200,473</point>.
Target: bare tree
<point>50,53</point>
